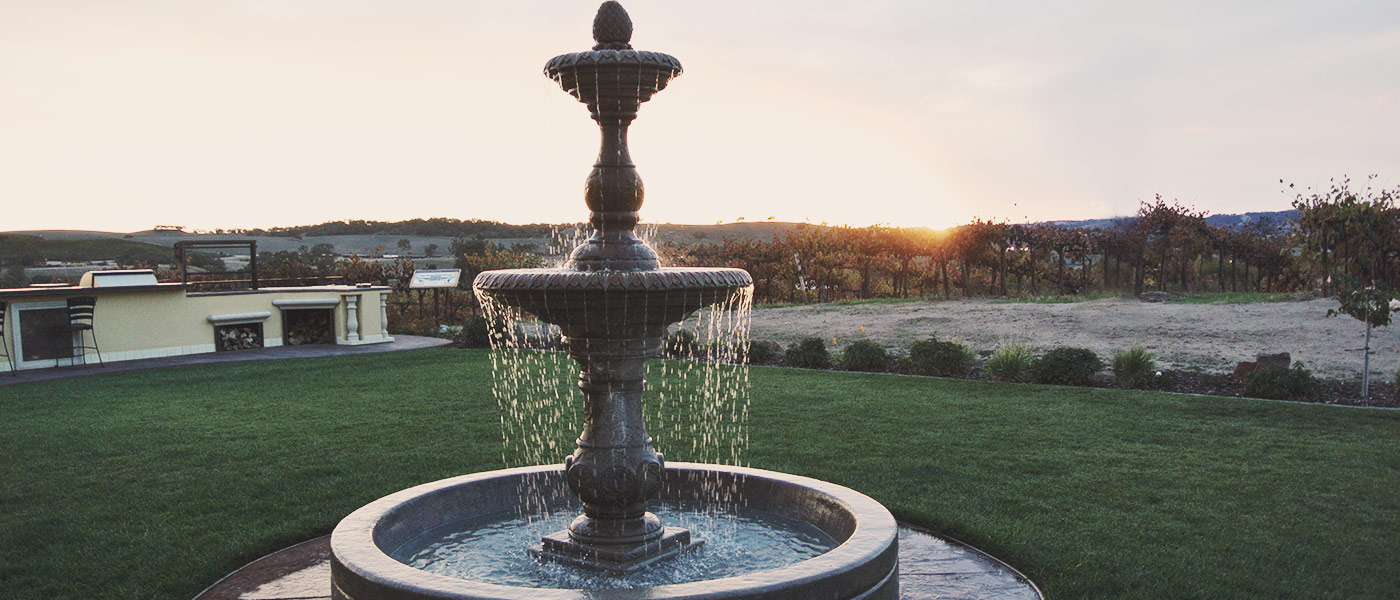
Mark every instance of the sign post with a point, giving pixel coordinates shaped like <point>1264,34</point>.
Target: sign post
<point>436,280</point>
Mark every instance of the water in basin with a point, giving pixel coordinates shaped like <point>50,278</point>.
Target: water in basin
<point>737,542</point>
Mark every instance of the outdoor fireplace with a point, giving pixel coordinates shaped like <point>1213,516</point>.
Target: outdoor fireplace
<point>308,320</point>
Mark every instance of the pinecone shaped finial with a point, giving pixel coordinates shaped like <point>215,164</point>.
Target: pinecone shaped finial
<point>612,28</point>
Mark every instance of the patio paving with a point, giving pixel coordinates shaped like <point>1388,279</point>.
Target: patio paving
<point>929,568</point>
<point>400,343</point>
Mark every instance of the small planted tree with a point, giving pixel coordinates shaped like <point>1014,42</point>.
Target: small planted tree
<point>1370,305</point>
<point>1353,239</point>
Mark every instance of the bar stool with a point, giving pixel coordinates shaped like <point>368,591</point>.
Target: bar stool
<point>80,309</point>
<point>5,338</point>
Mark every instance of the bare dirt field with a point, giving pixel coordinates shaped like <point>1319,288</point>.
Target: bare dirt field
<point>1203,337</point>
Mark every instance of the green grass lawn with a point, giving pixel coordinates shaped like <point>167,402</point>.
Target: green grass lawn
<point>1232,298</point>
<point>1071,299</point>
<point>155,484</point>
<point>839,303</point>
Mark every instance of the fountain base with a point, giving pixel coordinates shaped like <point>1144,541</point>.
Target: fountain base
<point>862,566</point>
<point>560,547</point>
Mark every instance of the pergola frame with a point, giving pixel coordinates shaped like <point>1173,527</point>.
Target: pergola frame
<point>182,249</point>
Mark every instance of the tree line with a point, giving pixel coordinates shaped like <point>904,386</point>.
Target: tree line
<point>435,227</point>
<point>1166,247</point>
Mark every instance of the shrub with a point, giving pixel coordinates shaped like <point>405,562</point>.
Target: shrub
<point>475,333</point>
<point>408,324</point>
<point>1009,362</point>
<point>763,352</point>
<point>1067,366</point>
<point>901,364</point>
<point>864,355</point>
<point>1281,383</point>
<point>479,332</point>
<point>1134,367</point>
<point>679,344</point>
<point>942,359</point>
<point>809,353</point>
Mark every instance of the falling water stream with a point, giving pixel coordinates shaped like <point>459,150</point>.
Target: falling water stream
<point>697,409</point>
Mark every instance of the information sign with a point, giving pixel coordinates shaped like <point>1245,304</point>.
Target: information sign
<point>435,278</point>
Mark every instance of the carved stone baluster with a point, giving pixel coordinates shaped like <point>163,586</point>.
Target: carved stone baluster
<point>352,317</point>
<point>384,317</point>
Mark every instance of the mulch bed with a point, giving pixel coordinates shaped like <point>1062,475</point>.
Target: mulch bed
<point>1345,393</point>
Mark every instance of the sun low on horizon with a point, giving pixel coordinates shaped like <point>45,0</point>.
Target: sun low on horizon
<point>122,116</point>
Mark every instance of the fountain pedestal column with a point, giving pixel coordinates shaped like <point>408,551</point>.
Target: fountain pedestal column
<point>614,470</point>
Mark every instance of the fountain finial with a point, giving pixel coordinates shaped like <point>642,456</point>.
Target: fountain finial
<point>613,80</point>
<point>612,28</point>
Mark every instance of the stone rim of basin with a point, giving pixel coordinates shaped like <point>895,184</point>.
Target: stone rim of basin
<point>865,560</point>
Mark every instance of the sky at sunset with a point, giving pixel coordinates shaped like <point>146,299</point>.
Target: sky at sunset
<point>121,115</point>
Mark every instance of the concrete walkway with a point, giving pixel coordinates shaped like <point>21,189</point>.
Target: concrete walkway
<point>929,568</point>
<point>400,343</point>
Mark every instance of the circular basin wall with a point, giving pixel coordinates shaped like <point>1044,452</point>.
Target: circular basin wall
<point>863,565</point>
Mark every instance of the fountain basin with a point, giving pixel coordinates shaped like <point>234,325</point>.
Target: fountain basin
<point>602,304</point>
<point>863,565</point>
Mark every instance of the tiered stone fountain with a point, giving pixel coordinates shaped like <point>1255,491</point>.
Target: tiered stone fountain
<point>613,303</point>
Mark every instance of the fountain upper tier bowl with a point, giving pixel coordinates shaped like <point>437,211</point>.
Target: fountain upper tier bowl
<point>606,303</point>
<point>863,565</point>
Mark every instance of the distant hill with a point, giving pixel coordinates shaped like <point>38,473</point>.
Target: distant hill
<point>1278,217</point>
<point>30,249</point>
<point>385,239</point>
<point>375,238</point>
<point>692,234</point>
<point>363,245</point>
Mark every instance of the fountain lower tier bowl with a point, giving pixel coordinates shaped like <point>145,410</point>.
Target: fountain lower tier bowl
<point>864,564</point>
<point>606,303</point>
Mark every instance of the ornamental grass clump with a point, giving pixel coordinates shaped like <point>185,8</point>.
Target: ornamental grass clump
<point>809,353</point>
<point>864,355</point>
<point>1134,367</point>
<point>1281,383</point>
<point>1009,363</point>
<point>940,359</point>
<point>1067,366</point>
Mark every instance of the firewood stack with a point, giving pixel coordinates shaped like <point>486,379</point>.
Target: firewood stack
<point>308,327</point>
